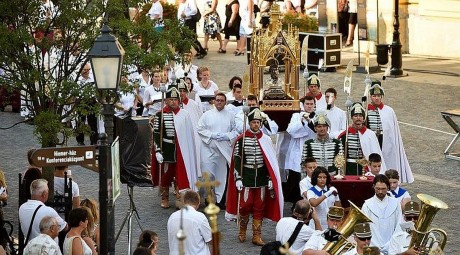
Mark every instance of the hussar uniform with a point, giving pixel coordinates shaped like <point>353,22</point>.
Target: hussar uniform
<point>254,165</point>
<point>382,120</point>
<point>361,143</point>
<point>177,148</point>
<point>320,99</point>
<point>323,150</point>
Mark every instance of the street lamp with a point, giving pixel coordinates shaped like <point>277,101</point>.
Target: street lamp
<point>396,54</point>
<point>106,58</point>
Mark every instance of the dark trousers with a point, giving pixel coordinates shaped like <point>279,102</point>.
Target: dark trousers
<point>292,189</point>
<point>343,24</point>
<point>92,122</point>
<point>196,44</point>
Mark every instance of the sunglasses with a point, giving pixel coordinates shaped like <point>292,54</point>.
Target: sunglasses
<point>409,218</point>
<point>364,238</point>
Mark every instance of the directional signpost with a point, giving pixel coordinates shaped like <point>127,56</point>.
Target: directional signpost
<point>63,156</point>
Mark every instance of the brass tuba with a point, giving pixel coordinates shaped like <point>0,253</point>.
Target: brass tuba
<point>421,237</point>
<point>355,216</point>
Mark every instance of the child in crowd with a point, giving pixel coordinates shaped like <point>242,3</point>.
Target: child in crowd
<point>374,165</point>
<point>322,195</point>
<point>148,239</point>
<point>396,191</point>
<point>308,166</point>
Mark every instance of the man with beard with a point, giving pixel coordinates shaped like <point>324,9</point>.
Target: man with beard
<point>384,211</point>
<point>360,143</point>
<point>256,177</point>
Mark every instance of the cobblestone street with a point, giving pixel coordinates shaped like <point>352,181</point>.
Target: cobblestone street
<point>417,100</point>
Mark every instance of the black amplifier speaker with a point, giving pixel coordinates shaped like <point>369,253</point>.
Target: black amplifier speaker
<point>326,46</point>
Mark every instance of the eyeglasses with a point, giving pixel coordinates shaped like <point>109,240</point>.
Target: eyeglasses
<point>410,218</point>
<point>364,238</point>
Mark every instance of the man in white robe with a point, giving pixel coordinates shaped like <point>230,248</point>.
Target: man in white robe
<point>269,127</point>
<point>300,129</point>
<point>337,116</point>
<point>383,121</point>
<point>385,213</point>
<point>216,129</point>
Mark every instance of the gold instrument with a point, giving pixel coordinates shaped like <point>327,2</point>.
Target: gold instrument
<point>355,216</point>
<point>421,237</point>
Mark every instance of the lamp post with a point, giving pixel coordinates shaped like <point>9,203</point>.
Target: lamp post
<point>106,58</point>
<point>396,55</point>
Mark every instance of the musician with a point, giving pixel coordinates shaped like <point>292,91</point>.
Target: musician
<point>286,226</point>
<point>256,178</point>
<point>363,237</point>
<point>361,142</point>
<point>194,224</point>
<point>175,149</point>
<point>399,243</point>
<point>382,120</point>
<point>314,90</point>
<point>323,148</point>
<point>384,211</point>
<point>317,241</point>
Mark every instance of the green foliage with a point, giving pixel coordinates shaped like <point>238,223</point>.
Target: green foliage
<point>51,81</point>
<point>304,23</point>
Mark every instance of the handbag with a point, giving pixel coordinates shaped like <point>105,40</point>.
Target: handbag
<point>273,248</point>
<point>197,16</point>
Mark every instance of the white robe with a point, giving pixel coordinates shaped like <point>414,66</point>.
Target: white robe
<point>386,216</point>
<point>239,120</point>
<point>338,119</point>
<point>392,146</point>
<point>185,134</point>
<point>299,134</point>
<point>216,155</point>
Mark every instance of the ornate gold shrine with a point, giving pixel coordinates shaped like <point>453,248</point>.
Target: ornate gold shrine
<point>269,47</point>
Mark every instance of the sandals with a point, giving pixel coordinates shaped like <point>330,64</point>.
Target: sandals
<point>221,51</point>
<point>239,53</point>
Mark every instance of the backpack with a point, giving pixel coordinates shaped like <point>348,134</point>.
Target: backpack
<point>273,248</point>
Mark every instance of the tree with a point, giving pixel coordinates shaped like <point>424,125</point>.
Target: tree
<point>44,47</point>
<point>43,51</point>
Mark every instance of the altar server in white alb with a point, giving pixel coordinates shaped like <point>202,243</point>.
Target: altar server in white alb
<point>216,129</point>
<point>385,213</point>
<point>269,127</point>
<point>382,120</point>
<point>337,116</point>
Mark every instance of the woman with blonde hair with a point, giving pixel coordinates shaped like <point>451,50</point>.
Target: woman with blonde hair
<point>93,225</point>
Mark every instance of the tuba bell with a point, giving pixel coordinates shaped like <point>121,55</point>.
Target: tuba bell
<point>355,216</point>
<point>425,239</point>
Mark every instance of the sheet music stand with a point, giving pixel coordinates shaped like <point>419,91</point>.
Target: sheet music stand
<point>447,116</point>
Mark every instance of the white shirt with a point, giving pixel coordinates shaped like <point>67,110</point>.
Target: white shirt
<point>59,187</point>
<point>25,216</point>
<point>305,185</point>
<point>127,101</point>
<point>151,94</point>
<point>403,196</point>
<point>196,228</point>
<point>284,229</point>
<point>156,9</point>
<point>323,208</point>
<point>42,244</point>
<point>210,91</point>
<point>316,241</point>
<point>239,121</point>
<point>399,242</point>
<point>338,119</point>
